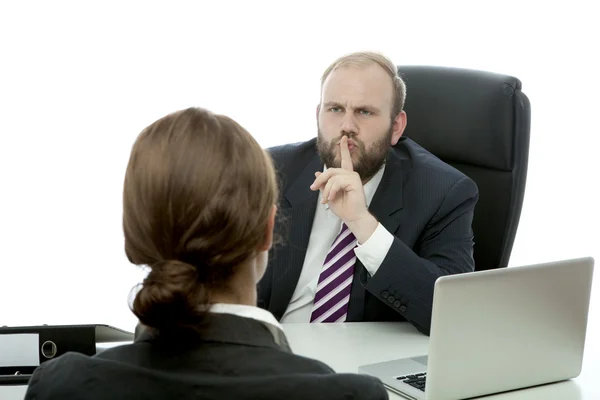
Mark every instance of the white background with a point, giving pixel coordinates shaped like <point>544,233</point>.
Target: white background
<point>80,80</point>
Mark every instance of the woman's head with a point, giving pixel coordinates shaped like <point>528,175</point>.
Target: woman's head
<point>198,208</point>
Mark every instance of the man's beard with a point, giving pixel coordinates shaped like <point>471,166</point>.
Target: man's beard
<point>367,163</point>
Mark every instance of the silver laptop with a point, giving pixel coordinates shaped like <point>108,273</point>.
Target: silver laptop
<point>498,330</point>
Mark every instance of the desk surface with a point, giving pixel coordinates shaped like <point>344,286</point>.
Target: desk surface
<point>346,346</point>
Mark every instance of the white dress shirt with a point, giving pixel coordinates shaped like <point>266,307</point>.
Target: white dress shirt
<point>326,226</point>
<point>242,310</point>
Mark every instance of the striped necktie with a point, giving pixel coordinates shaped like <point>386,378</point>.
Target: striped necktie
<point>335,281</point>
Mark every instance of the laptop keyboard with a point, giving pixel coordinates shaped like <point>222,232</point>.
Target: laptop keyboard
<point>416,380</point>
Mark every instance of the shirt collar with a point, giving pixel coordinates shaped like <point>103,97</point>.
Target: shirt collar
<point>242,310</point>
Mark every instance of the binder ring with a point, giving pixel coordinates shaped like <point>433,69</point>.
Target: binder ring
<point>48,349</point>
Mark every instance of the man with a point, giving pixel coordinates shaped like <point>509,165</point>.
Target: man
<point>369,219</point>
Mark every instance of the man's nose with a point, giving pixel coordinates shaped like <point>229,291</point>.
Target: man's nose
<point>349,126</point>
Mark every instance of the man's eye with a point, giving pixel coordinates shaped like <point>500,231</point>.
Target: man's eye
<point>365,112</point>
<point>335,109</point>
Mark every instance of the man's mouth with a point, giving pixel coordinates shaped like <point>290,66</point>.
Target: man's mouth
<point>351,145</point>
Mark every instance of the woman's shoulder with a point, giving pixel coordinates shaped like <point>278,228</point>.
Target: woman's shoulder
<point>294,363</point>
<point>334,386</point>
<point>58,378</point>
<point>313,378</point>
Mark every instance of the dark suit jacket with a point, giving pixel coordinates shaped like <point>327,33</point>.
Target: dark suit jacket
<point>234,358</point>
<point>425,203</point>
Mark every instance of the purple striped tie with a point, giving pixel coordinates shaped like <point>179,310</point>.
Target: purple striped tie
<point>335,281</point>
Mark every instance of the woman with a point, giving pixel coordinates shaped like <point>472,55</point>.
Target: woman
<point>199,209</point>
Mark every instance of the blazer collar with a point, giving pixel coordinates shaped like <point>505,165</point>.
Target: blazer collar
<point>219,328</point>
<point>388,198</point>
<point>299,191</point>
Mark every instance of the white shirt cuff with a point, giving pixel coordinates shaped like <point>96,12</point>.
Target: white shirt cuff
<point>372,252</point>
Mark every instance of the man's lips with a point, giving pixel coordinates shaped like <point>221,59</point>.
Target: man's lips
<point>351,145</point>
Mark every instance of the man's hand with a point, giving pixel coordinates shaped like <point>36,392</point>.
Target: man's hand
<point>342,189</point>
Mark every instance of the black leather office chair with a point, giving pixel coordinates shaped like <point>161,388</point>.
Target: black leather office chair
<point>479,123</point>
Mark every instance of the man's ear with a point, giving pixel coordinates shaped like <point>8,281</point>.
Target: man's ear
<point>268,242</point>
<point>398,127</point>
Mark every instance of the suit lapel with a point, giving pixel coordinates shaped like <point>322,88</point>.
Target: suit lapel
<point>298,221</point>
<point>384,206</point>
<point>388,196</point>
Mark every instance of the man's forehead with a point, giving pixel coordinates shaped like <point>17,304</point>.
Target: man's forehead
<point>358,83</point>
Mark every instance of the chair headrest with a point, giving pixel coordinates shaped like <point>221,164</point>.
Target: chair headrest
<point>461,115</point>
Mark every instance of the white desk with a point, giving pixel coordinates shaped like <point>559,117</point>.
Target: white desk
<point>346,346</point>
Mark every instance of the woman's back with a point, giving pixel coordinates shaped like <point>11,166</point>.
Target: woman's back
<point>236,358</point>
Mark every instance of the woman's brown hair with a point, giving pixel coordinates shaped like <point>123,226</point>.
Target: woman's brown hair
<point>197,196</point>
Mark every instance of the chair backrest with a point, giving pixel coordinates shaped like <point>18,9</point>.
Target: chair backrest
<point>478,122</point>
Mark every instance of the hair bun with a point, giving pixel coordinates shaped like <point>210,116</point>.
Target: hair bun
<point>171,296</point>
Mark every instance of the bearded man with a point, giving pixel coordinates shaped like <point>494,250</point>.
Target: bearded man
<point>368,219</point>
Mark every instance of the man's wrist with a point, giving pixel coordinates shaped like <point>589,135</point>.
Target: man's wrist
<point>363,228</point>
